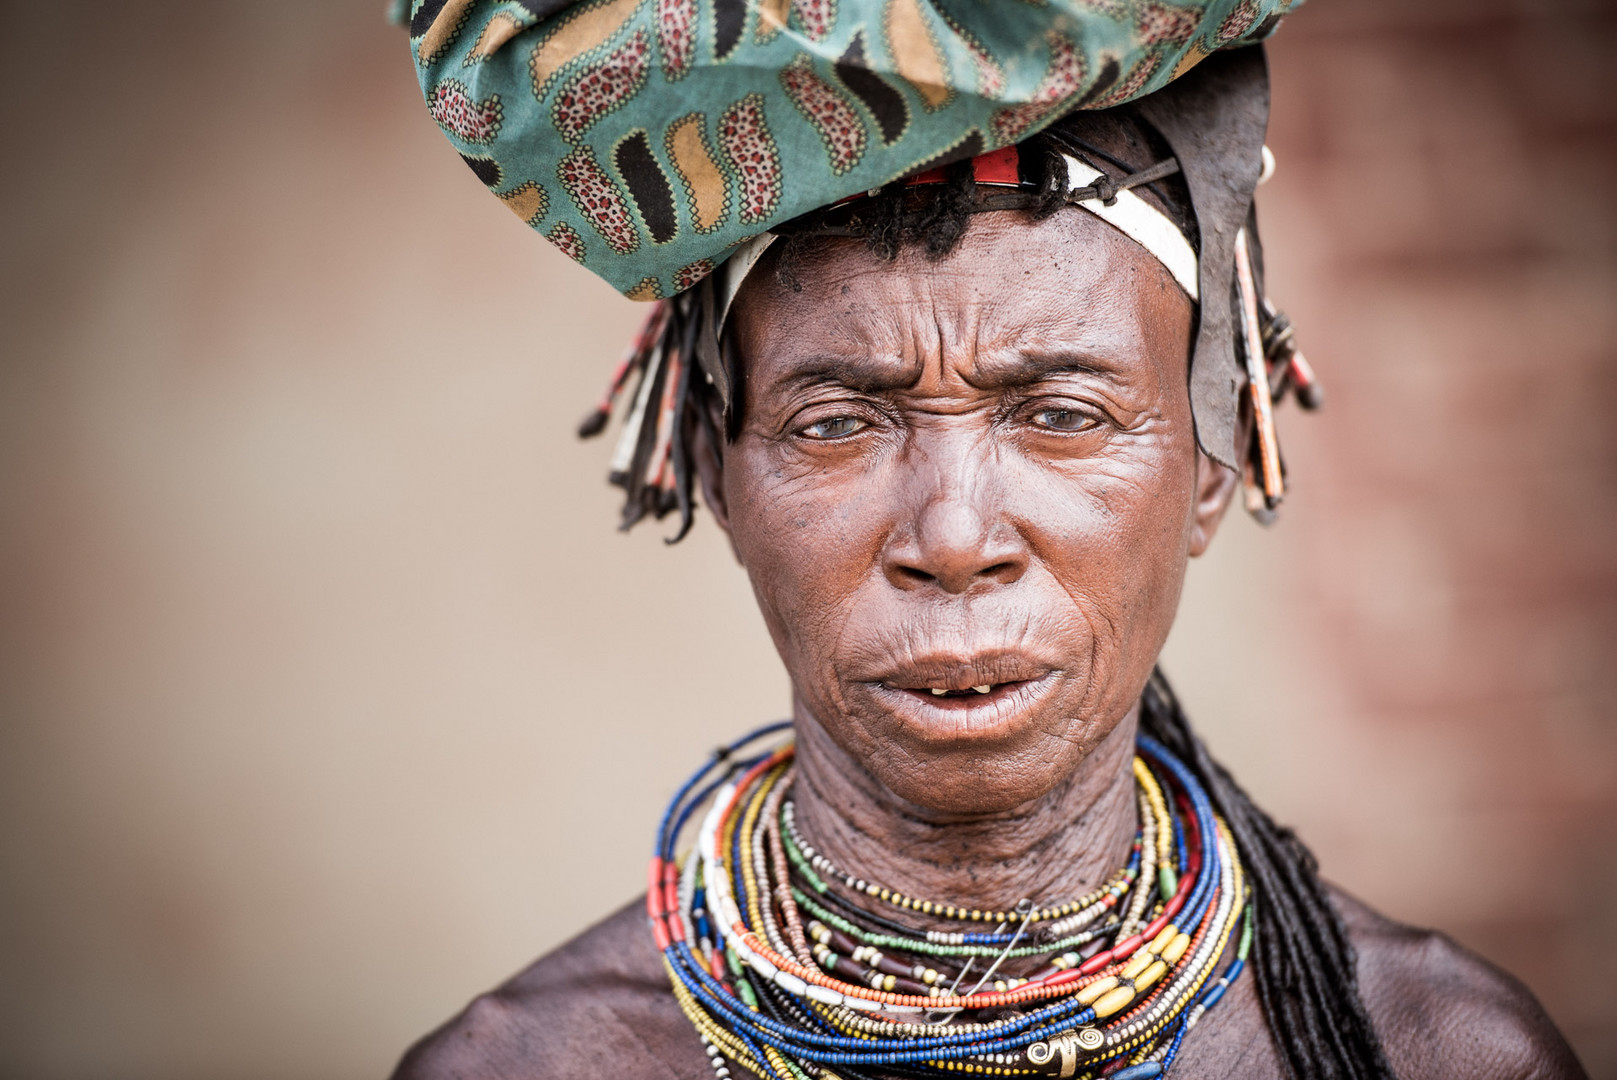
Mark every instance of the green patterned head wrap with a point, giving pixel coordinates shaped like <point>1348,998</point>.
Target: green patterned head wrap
<point>649,138</point>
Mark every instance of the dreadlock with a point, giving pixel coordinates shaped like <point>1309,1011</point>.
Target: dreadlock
<point>1304,961</point>
<point>1307,979</point>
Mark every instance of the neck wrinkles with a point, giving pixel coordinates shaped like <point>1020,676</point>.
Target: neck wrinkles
<point>1053,849</point>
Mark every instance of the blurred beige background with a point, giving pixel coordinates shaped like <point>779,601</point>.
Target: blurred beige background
<point>329,696</point>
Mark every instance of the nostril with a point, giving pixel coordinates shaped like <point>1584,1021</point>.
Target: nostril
<point>914,576</point>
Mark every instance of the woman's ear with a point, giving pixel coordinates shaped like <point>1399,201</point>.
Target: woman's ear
<point>1217,484</point>
<point>1215,487</point>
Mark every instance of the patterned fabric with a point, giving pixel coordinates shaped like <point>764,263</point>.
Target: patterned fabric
<point>648,138</point>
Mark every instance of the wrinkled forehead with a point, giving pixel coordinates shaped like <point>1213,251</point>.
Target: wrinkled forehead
<point>1014,290</point>
<point>1009,270</point>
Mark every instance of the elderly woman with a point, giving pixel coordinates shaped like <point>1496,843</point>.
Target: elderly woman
<point>964,430</point>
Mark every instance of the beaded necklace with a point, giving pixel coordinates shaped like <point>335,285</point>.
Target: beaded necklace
<point>784,974</point>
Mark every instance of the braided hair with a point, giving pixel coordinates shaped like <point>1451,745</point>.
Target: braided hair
<point>1304,960</point>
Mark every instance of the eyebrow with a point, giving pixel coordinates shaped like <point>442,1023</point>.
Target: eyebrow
<point>872,375</point>
<point>1027,367</point>
<point>866,374</point>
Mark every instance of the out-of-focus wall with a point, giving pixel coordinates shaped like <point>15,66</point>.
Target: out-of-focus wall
<point>328,696</point>
<point>1443,229</point>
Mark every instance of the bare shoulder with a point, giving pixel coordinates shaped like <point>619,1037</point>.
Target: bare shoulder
<point>1443,1011</point>
<point>597,1006</point>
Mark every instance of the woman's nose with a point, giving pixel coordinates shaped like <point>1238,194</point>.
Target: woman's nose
<point>956,540</point>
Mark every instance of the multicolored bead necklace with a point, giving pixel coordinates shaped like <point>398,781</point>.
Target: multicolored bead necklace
<point>783,971</point>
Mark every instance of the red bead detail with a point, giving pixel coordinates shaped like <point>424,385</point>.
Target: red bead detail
<point>654,874</point>
<point>1000,166</point>
<point>1095,963</point>
<point>671,889</point>
<point>1170,909</point>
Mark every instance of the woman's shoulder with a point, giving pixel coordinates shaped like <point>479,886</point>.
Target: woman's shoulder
<point>597,1006</point>
<point>1442,1011</point>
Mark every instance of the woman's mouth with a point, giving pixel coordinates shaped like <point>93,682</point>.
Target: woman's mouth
<point>972,695</point>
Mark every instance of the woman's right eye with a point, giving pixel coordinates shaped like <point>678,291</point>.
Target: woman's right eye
<point>1065,420</point>
<point>836,427</point>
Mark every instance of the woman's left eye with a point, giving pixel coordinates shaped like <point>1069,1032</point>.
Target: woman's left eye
<point>1063,419</point>
<point>835,428</point>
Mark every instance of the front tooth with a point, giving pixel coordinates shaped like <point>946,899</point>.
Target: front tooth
<point>984,688</point>
<point>938,693</point>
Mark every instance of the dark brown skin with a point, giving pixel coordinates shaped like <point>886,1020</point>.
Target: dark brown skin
<point>977,471</point>
<point>1013,505</point>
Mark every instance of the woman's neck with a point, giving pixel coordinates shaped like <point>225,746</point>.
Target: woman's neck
<point>1050,850</point>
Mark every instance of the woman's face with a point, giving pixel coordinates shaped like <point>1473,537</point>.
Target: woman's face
<point>971,475</point>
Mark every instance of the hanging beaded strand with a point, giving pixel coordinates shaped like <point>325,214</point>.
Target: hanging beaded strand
<point>822,868</point>
<point>783,974</point>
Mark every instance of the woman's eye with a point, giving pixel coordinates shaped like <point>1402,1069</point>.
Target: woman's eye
<point>835,428</point>
<point>1063,419</point>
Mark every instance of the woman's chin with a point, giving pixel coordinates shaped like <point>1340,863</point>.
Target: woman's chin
<point>973,757</point>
